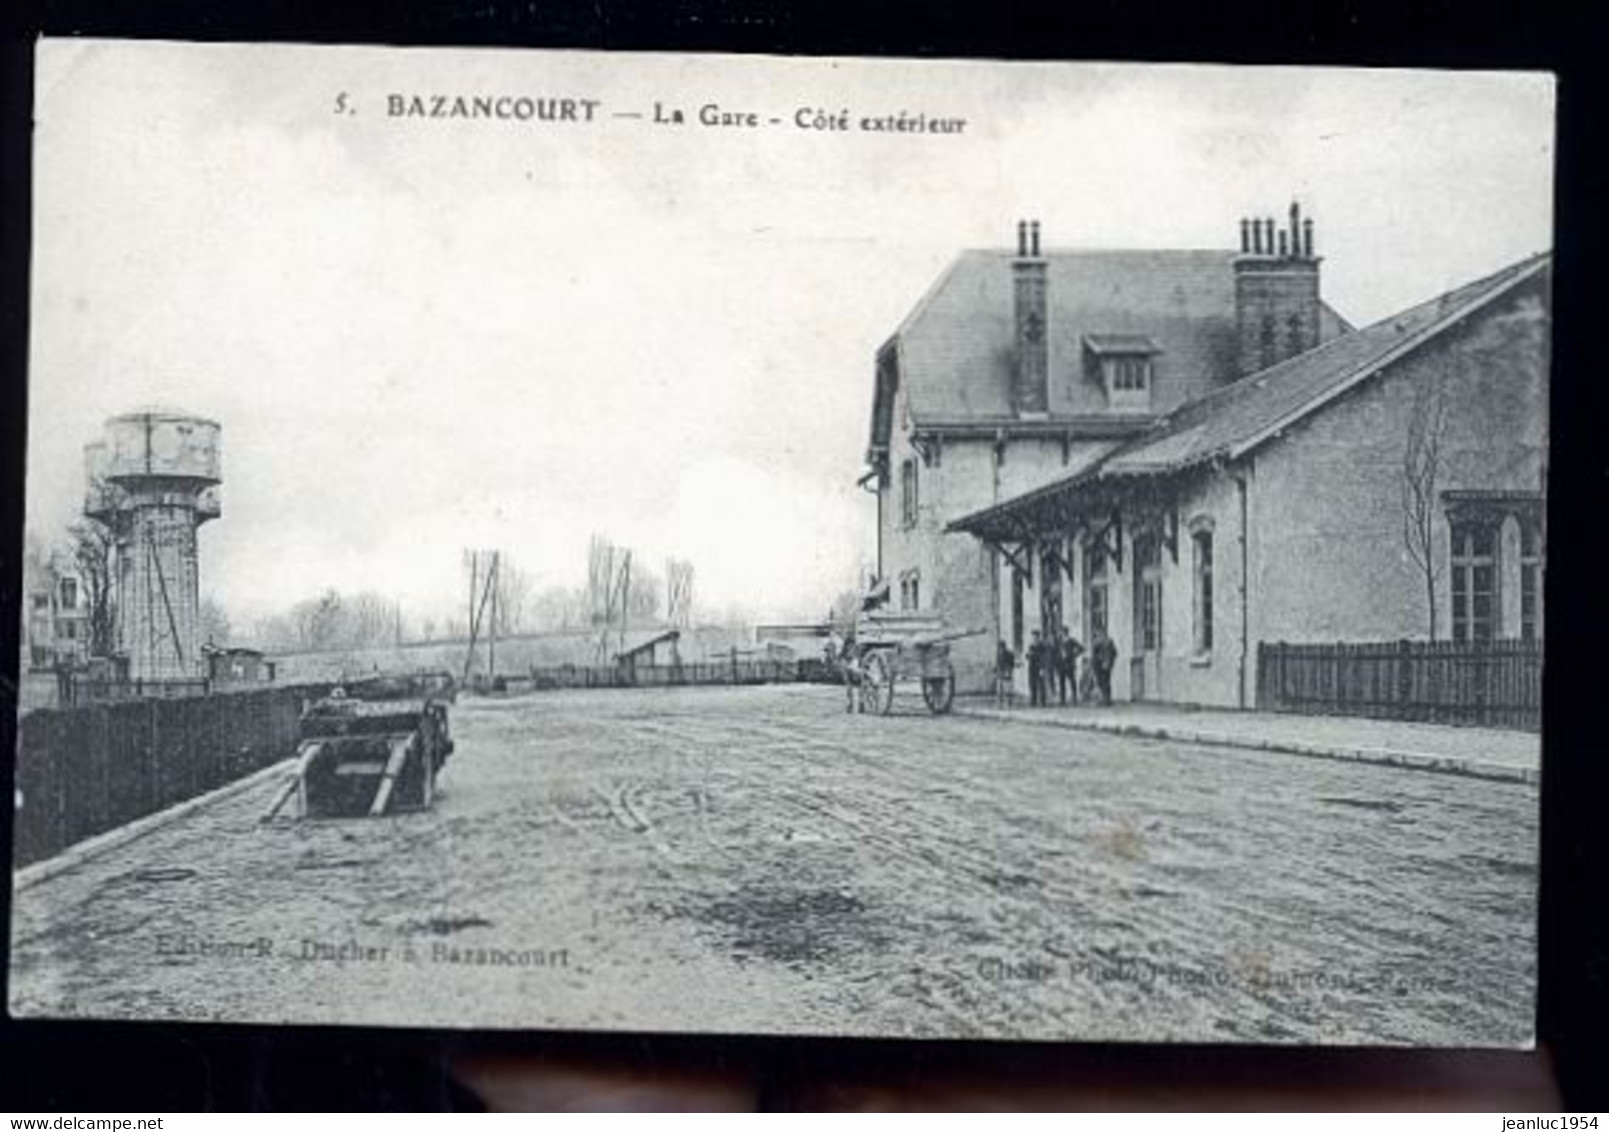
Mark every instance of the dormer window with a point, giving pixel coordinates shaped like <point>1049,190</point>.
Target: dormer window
<point>1123,365</point>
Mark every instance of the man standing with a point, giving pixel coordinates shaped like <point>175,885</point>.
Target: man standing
<point>1067,654</point>
<point>1036,670</point>
<point>1104,657</point>
<point>1005,665</point>
<point>848,666</point>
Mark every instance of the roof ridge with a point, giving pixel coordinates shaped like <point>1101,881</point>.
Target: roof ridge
<point>1471,292</point>
<point>1433,316</point>
<point>1078,249</point>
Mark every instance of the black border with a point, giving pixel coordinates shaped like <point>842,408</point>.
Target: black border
<point>65,1067</point>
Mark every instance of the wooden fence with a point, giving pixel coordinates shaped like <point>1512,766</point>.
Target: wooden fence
<point>705,672</point>
<point>1490,684</point>
<point>85,770</point>
<point>75,691</point>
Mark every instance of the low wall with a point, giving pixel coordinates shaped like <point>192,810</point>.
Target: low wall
<point>82,771</point>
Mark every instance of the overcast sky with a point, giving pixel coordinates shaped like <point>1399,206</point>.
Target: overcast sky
<point>422,335</point>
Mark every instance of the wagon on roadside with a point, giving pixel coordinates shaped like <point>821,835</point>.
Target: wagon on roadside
<point>889,649</point>
<point>370,748</point>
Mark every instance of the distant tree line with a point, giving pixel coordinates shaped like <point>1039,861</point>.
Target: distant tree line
<point>621,593</point>
<point>333,621</point>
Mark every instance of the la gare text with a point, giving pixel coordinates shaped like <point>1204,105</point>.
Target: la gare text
<point>710,115</point>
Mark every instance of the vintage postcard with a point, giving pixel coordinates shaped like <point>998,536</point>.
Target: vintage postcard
<point>890,548</point>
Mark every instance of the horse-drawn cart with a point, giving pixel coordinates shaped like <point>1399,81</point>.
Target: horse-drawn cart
<point>890,648</point>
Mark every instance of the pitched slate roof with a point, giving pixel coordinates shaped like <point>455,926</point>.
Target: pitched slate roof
<point>957,346</point>
<point>1239,417</point>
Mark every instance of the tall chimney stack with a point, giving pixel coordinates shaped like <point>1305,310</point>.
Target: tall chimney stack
<point>1276,291</point>
<point>1030,386</point>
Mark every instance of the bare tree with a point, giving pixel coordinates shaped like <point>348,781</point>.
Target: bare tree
<point>621,605</point>
<point>513,598</point>
<point>1421,468</point>
<point>320,622</point>
<point>601,581</point>
<point>608,585</point>
<point>679,592</point>
<point>371,620</point>
<point>94,551</point>
<point>556,609</point>
<point>642,602</point>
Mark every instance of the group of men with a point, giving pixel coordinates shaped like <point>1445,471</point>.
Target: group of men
<point>1053,667</point>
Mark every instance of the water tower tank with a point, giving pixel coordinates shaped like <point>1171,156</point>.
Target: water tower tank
<point>162,442</point>
<point>153,479</point>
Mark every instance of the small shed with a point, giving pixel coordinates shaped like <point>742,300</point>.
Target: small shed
<point>660,648</point>
<point>238,666</point>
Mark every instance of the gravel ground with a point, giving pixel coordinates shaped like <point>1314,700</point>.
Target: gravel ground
<point>754,859</point>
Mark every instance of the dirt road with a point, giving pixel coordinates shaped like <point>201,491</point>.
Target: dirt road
<point>754,859</point>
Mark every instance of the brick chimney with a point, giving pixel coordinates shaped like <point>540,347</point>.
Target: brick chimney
<point>1030,379</point>
<point>1276,291</point>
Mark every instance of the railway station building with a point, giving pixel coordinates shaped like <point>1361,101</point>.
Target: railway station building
<point>1386,484</point>
<point>1025,366</point>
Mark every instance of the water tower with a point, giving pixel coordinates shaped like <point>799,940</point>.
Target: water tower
<point>153,480</point>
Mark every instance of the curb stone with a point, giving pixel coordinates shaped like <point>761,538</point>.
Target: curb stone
<point>1379,756</point>
<point>79,852</point>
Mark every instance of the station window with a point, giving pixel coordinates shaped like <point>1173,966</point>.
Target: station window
<point>1148,594</point>
<point>1016,611</point>
<point>1202,542</point>
<point>1128,380</point>
<point>908,497</point>
<point>1531,567</point>
<point>910,592</point>
<point>1474,581</point>
<point>1096,606</point>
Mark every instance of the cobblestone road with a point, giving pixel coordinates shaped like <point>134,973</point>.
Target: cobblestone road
<point>754,859</point>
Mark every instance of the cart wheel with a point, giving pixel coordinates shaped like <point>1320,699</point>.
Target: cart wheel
<point>939,691</point>
<point>878,690</point>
